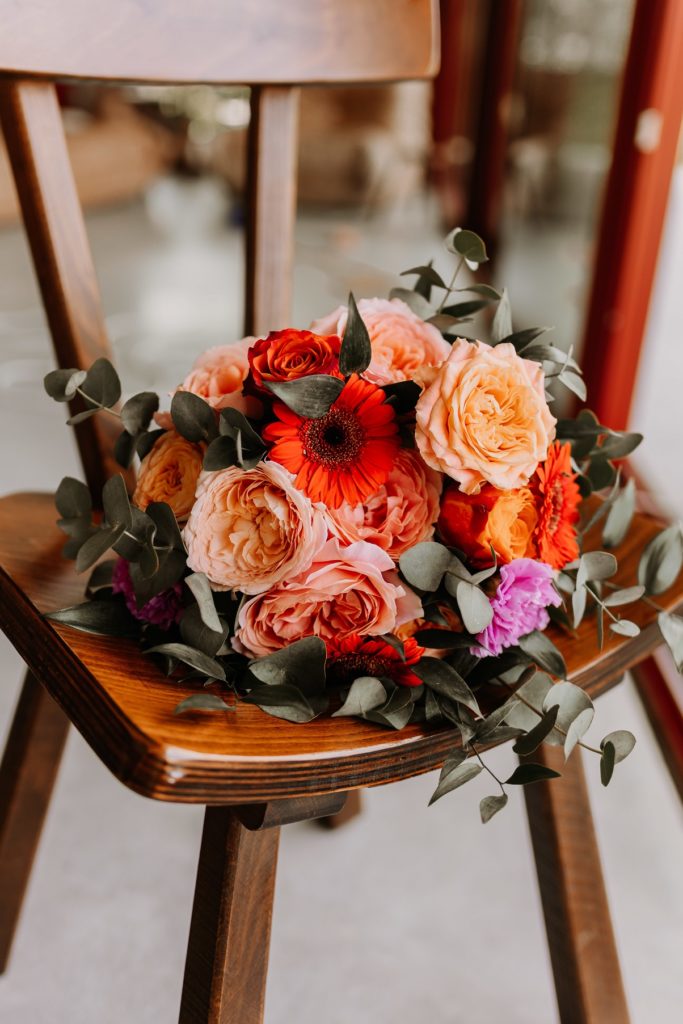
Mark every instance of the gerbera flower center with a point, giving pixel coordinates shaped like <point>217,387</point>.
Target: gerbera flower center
<point>334,440</point>
<point>556,503</point>
<point>350,666</point>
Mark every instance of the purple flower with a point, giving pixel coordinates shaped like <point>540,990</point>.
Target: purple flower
<point>519,607</point>
<point>164,610</point>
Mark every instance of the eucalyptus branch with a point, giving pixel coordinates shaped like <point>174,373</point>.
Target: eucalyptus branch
<point>598,600</point>
<point>645,599</point>
<point>557,728</point>
<point>451,286</point>
<point>486,768</point>
<point>98,405</point>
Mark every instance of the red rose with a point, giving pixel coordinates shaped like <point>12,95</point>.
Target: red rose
<point>290,354</point>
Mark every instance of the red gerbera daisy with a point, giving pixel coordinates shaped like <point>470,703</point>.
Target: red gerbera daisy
<point>354,656</point>
<point>344,456</point>
<point>557,501</point>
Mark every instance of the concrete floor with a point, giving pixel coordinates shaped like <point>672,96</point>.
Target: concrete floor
<point>407,913</point>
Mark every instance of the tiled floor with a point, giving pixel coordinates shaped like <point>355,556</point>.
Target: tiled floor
<point>408,913</point>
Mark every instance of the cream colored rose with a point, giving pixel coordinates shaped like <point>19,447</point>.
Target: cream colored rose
<point>250,529</point>
<point>401,513</point>
<point>169,472</point>
<point>347,590</point>
<point>483,417</point>
<point>401,342</point>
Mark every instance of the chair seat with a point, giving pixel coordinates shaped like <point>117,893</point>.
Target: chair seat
<point>123,704</point>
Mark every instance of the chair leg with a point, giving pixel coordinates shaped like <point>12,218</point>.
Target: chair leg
<point>583,952</point>
<point>227,955</point>
<point>352,807</point>
<point>27,775</point>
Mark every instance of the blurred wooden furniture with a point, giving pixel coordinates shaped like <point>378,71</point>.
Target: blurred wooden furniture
<point>267,772</point>
<point>634,210</point>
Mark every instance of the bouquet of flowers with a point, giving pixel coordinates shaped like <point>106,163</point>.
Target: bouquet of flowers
<point>378,516</point>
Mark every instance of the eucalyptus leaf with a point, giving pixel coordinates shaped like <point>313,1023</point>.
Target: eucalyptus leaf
<point>620,515</point>
<point>138,411</point>
<point>624,627</point>
<point>191,656</point>
<point>501,327</point>
<point>623,742</point>
<point>577,730</point>
<point>441,677</point>
<point>195,633</point>
<point>571,701</point>
<point>428,273</point>
<point>671,628</point>
<point>597,565</point>
<point>102,384</point>
<point>286,701</point>
<point>527,743</point>
<point>96,545</point>
<point>490,805</point>
<point>198,584</point>
<point>402,395</point>
<point>301,664</point>
<point>124,449</point>
<point>220,454</point>
<point>454,779</point>
<point>104,618</point>
<point>424,564</point>
<point>192,417</point>
<point>607,762</point>
<point>168,531</point>
<point>468,244</point>
<point>661,561</point>
<point>62,384</point>
<point>72,499</point>
<point>524,774</point>
<point>543,651</point>
<point>366,693</point>
<point>575,383</point>
<point>202,702</point>
<point>475,608</point>
<point>626,596</point>
<point>146,441</point>
<point>617,444</point>
<point>355,352</point>
<point>310,397</point>
<point>463,309</point>
<point>420,306</point>
<point>116,502</point>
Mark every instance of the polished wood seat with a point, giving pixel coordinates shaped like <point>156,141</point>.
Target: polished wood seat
<point>123,704</point>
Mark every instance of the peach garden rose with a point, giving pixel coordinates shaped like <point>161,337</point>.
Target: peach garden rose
<point>483,417</point>
<point>401,342</point>
<point>218,376</point>
<point>169,472</point>
<point>251,529</point>
<point>399,514</point>
<point>347,590</point>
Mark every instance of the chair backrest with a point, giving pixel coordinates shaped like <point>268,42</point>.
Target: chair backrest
<point>273,45</point>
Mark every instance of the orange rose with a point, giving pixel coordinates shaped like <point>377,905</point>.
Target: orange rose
<point>288,355</point>
<point>502,520</point>
<point>483,417</point>
<point>169,472</point>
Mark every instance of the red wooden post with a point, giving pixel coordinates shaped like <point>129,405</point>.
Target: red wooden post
<point>634,208</point>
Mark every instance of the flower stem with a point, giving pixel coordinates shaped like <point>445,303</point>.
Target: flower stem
<point>449,290</point>
<point>486,767</point>
<point>100,407</point>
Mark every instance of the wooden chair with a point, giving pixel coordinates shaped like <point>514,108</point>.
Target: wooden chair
<point>256,773</point>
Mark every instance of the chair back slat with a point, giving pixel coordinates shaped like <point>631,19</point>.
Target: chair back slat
<point>221,41</point>
<point>53,218</point>
<point>272,166</point>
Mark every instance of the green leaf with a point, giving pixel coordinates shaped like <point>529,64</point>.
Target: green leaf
<point>124,449</point>
<point>575,383</point>
<point>428,273</point>
<point>73,500</point>
<point>524,774</point>
<point>543,651</point>
<point>168,531</point>
<point>301,664</point>
<point>356,351</point>
<point>624,627</point>
<point>660,562</point>
<point>623,742</point>
<point>501,326</point>
<point>397,710</point>
<point>138,411</point>
<point>597,565</point>
<point>414,300</point>
<point>96,545</point>
<point>102,384</point>
<point>221,453</point>
<point>424,564</point>
<point>190,656</point>
<point>468,244</point>
<point>607,762</point>
<point>288,702</point>
<point>61,384</point>
<point>490,805</point>
<point>192,417</point>
<point>310,397</point>
<point>520,340</point>
<point>441,677</point>
<point>101,577</point>
<point>202,702</point>
<point>620,516</point>
<point>249,445</point>
<point>671,628</point>
<point>104,618</point>
<point>572,702</point>
<point>486,290</point>
<point>579,604</point>
<point>146,441</point>
<point>195,633</point>
<point>474,606</point>
<point>600,473</point>
<point>116,502</point>
<point>199,585</point>
<point>462,309</point>
<point>366,693</point>
<point>626,596</point>
<point>402,395</point>
<point>170,570</point>
<point>454,779</point>
<point>80,417</point>
<point>442,639</point>
<point>527,743</point>
<point>619,444</point>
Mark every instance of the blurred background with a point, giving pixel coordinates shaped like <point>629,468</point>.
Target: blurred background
<point>406,911</point>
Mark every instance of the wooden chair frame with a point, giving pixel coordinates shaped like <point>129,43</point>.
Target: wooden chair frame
<point>247,797</point>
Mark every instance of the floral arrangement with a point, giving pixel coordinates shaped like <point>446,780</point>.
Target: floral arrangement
<point>378,516</point>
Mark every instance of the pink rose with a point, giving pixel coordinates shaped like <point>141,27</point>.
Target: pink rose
<point>402,343</point>
<point>250,529</point>
<point>483,417</point>
<point>401,513</point>
<point>218,375</point>
<point>346,591</point>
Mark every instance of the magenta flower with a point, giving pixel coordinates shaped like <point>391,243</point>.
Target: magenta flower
<point>519,607</point>
<point>164,610</point>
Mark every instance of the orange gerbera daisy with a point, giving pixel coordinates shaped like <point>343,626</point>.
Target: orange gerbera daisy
<point>354,656</point>
<point>558,498</point>
<point>344,456</point>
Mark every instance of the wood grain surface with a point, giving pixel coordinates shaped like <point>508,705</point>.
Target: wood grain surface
<point>221,40</point>
<point>123,704</point>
